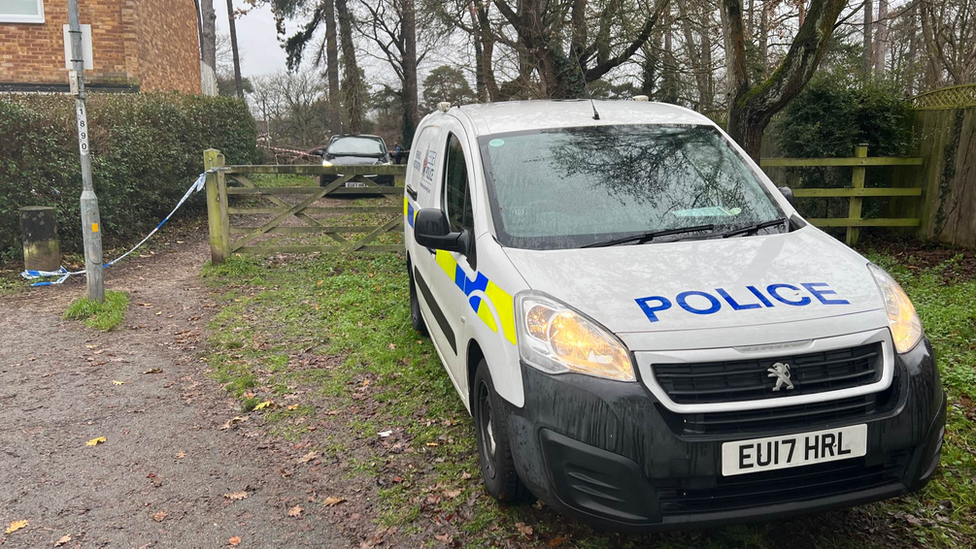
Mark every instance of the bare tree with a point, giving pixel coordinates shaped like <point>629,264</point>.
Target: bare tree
<point>752,106</point>
<point>353,88</point>
<point>881,39</point>
<point>868,33</point>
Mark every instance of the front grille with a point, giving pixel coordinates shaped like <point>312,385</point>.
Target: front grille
<point>775,419</point>
<point>741,380</point>
<point>778,487</point>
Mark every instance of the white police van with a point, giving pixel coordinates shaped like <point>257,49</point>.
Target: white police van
<point>646,332</point>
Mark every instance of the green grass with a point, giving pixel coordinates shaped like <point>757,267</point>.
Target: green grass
<point>335,330</point>
<point>105,316</point>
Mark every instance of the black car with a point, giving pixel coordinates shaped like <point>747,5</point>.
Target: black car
<point>356,150</point>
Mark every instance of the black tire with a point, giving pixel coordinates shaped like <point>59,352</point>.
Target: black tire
<point>494,445</point>
<point>385,180</point>
<point>325,179</point>
<point>416,318</point>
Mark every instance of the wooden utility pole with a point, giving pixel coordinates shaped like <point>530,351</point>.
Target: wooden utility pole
<point>90,221</point>
<point>233,45</point>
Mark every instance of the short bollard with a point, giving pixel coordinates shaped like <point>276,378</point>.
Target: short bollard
<point>39,229</point>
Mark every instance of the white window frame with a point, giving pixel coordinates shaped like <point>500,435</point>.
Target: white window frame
<point>11,18</point>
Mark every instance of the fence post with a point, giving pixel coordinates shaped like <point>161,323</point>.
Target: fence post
<point>216,208</point>
<point>857,182</point>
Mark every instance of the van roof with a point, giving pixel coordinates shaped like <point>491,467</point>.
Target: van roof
<point>513,116</point>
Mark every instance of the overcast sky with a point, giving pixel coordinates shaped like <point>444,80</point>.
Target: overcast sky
<point>256,37</point>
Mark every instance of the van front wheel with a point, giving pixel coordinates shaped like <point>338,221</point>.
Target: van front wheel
<point>494,447</point>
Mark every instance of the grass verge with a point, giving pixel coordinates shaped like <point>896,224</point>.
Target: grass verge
<point>330,336</point>
<point>105,316</point>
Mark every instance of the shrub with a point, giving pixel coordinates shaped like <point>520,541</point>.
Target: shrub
<point>146,150</point>
<point>830,117</point>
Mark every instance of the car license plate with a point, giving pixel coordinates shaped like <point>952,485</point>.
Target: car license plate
<point>767,454</point>
<point>355,184</point>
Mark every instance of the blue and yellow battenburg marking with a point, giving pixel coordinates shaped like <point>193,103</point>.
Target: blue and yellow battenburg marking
<point>409,211</point>
<point>502,301</point>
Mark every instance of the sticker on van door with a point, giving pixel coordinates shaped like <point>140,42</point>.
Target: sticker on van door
<point>427,170</point>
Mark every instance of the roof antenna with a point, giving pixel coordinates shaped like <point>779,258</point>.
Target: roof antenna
<point>596,115</point>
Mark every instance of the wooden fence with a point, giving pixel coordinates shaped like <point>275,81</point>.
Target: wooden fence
<point>315,219</point>
<point>857,192</point>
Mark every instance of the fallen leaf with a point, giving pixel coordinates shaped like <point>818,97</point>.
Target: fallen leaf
<point>16,525</point>
<point>180,455</point>
<point>452,493</point>
<point>62,540</point>
<point>295,511</point>
<point>95,441</point>
<point>465,475</point>
<point>232,421</point>
<point>333,501</point>
<point>523,528</point>
<point>236,496</point>
<point>557,541</point>
<point>293,407</point>
<point>115,382</point>
<point>444,538</point>
<point>309,457</point>
<point>159,516</point>
<point>153,371</point>
<point>235,541</point>
<point>263,405</point>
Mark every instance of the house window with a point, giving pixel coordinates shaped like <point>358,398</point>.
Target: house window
<point>21,11</point>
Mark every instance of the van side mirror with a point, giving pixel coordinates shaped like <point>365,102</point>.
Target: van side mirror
<point>788,193</point>
<point>431,229</point>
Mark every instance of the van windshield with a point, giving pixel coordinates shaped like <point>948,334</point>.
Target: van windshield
<point>573,187</point>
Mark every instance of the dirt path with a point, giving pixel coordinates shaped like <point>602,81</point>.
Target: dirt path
<point>161,477</point>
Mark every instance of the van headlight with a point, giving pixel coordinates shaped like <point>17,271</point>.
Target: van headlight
<point>326,164</point>
<point>557,339</point>
<point>906,328</point>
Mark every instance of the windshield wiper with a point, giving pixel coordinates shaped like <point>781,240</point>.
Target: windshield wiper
<point>647,237</point>
<point>755,228</point>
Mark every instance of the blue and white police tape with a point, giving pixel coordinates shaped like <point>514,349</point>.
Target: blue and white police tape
<point>64,274</point>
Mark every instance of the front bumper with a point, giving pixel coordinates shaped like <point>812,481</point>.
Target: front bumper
<point>608,453</point>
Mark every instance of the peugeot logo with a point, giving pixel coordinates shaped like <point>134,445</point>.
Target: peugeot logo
<point>781,371</point>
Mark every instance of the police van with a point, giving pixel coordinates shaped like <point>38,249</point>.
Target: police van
<point>646,332</point>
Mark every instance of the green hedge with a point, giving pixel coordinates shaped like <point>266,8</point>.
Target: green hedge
<point>146,150</point>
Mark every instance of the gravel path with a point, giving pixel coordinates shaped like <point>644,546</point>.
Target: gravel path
<point>161,477</point>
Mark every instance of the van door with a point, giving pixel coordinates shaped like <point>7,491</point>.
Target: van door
<point>455,273</point>
<point>422,191</point>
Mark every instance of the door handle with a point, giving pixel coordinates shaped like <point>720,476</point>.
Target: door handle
<point>411,192</point>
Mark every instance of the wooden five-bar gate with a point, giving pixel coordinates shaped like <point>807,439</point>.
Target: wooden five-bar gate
<point>857,192</point>
<point>281,214</point>
<point>315,219</point>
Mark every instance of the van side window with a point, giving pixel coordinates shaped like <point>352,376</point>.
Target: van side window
<point>457,195</point>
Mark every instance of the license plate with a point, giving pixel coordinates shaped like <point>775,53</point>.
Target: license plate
<point>767,454</point>
<point>355,184</point>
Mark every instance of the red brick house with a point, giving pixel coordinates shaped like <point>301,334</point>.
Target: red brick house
<point>137,45</point>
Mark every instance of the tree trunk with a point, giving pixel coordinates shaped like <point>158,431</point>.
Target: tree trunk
<point>696,57</point>
<point>881,39</point>
<point>487,52</point>
<point>208,31</point>
<point>410,108</point>
<point>867,54</point>
<point>232,23</point>
<point>752,107</point>
<point>352,85</point>
<point>332,70</point>
<point>913,24</point>
<point>763,39</point>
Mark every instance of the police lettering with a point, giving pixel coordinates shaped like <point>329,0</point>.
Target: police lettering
<point>774,295</point>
